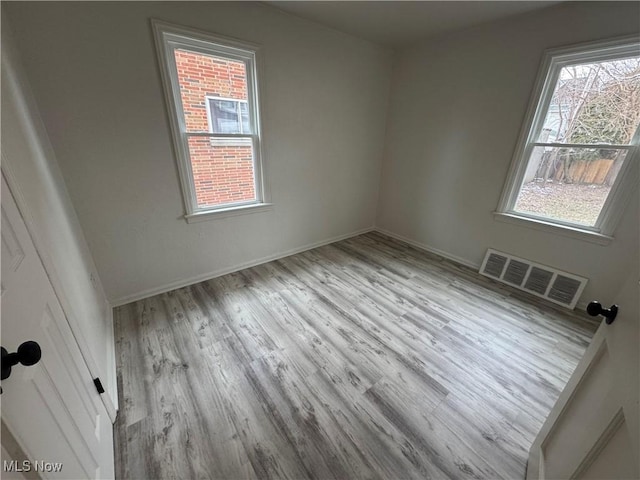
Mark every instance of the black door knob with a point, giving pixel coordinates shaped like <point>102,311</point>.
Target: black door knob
<point>28,353</point>
<point>595,308</point>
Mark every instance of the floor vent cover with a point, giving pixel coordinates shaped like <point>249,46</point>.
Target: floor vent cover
<point>555,285</point>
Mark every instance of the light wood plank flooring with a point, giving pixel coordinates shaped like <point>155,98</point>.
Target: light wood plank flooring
<point>366,358</point>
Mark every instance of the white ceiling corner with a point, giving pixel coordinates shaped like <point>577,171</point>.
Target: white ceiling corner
<point>398,23</point>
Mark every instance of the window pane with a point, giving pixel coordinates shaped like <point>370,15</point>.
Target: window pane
<point>244,112</point>
<point>594,103</point>
<point>222,170</point>
<point>569,184</point>
<point>224,116</point>
<point>201,76</point>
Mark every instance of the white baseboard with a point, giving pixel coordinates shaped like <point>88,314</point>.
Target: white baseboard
<point>224,271</point>
<point>112,375</point>
<point>428,248</point>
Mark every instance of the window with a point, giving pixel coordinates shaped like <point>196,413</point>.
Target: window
<point>212,93</point>
<point>575,161</point>
<point>227,115</point>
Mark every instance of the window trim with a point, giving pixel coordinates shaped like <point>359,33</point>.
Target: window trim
<point>552,62</point>
<point>167,37</point>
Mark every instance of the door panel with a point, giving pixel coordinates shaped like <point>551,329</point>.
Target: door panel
<point>52,408</point>
<point>616,452</point>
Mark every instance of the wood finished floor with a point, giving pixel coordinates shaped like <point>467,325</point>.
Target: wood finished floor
<point>366,358</point>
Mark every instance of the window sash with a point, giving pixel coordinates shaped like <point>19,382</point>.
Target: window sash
<point>248,59</point>
<point>605,211</point>
<point>171,37</point>
<point>220,135</point>
<point>626,146</point>
<point>553,62</point>
<point>256,184</point>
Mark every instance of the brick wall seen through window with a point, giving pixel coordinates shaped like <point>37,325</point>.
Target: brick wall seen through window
<point>222,168</point>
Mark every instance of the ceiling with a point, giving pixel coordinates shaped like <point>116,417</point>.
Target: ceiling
<point>396,23</point>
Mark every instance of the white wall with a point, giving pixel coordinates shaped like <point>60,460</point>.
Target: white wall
<point>456,109</point>
<point>92,66</point>
<point>457,106</point>
<point>32,172</point>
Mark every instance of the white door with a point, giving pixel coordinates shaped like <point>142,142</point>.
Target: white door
<point>52,408</point>
<point>593,430</point>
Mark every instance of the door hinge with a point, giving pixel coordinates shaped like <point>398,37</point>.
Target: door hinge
<point>98,384</point>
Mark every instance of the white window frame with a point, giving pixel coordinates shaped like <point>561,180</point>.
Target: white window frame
<point>553,61</point>
<point>170,37</point>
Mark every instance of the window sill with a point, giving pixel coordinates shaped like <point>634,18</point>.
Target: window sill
<point>227,212</point>
<point>565,231</point>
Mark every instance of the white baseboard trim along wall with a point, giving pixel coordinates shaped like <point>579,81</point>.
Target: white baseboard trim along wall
<point>427,248</point>
<point>224,271</point>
